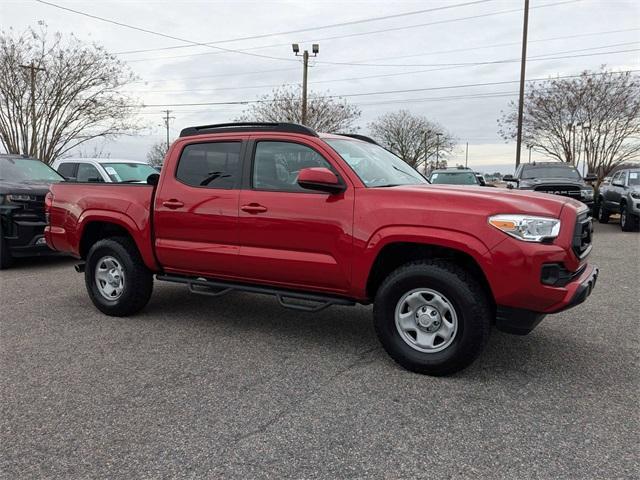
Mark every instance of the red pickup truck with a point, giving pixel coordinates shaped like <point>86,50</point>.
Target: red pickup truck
<point>320,220</point>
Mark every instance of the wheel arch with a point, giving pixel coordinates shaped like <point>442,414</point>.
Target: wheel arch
<point>95,226</point>
<point>397,253</point>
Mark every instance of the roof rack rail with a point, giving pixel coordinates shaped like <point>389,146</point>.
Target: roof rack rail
<point>357,136</point>
<point>244,126</point>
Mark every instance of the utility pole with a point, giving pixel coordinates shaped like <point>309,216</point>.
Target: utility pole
<point>523,64</point>
<point>167,119</point>
<point>466,157</point>
<point>438,150</point>
<point>426,156</point>
<point>33,71</point>
<point>315,49</point>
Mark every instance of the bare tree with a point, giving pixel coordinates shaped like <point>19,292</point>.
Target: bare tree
<point>56,94</point>
<point>595,117</point>
<point>155,155</point>
<point>413,138</point>
<point>324,113</point>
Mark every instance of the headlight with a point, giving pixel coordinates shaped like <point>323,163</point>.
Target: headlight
<point>635,194</point>
<point>586,193</point>
<point>20,197</point>
<point>527,228</point>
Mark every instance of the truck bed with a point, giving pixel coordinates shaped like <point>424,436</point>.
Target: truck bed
<point>78,206</point>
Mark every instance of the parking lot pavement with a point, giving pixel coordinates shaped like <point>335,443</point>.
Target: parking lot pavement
<point>237,387</point>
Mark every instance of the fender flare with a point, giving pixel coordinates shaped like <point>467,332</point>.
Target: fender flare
<point>140,236</point>
<point>452,239</point>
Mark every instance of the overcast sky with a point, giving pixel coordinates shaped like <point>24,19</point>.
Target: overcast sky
<point>414,51</point>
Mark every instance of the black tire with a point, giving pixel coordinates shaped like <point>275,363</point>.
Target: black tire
<point>5,255</point>
<point>465,294</point>
<point>628,221</point>
<point>603,214</point>
<point>138,280</point>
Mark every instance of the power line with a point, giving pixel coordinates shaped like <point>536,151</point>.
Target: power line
<point>259,72</point>
<point>322,27</point>
<point>492,62</point>
<point>357,34</point>
<point>444,87</point>
<point>382,75</point>
<point>145,30</point>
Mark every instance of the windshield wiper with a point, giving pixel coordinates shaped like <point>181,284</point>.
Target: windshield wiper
<point>402,171</point>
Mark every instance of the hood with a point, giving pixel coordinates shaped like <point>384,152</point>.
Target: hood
<point>28,188</point>
<point>492,200</point>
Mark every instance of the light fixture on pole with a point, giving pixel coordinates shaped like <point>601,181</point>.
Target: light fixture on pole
<point>315,49</point>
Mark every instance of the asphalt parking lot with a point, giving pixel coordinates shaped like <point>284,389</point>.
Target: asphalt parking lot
<point>237,387</point>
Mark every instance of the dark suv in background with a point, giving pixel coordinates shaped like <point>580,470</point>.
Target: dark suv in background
<point>24,182</point>
<point>621,195</point>
<point>554,177</point>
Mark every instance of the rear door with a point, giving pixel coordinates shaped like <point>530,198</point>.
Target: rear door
<point>196,208</point>
<point>615,193</point>
<point>288,235</point>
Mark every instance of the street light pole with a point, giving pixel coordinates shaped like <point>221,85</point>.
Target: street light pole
<point>438,150</point>
<point>466,156</point>
<point>523,65</point>
<point>315,48</point>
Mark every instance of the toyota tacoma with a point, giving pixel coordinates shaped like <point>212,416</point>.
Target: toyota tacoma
<point>319,220</point>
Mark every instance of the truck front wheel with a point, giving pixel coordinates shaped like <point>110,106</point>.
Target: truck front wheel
<point>628,221</point>
<point>118,282</point>
<point>432,317</point>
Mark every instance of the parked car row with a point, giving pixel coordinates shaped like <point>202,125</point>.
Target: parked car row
<point>24,183</point>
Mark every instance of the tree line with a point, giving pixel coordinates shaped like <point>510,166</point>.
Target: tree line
<point>57,93</point>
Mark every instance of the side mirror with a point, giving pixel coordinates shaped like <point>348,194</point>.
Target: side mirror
<point>590,177</point>
<point>153,179</point>
<point>509,178</point>
<point>320,179</point>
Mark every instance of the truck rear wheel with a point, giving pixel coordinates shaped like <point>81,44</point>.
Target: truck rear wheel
<point>118,282</point>
<point>603,214</point>
<point>432,317</point>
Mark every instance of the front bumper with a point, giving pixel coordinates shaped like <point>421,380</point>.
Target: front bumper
<point>522,321</point>
<point>25,237</point>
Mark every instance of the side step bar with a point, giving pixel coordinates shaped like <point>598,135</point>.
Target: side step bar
<point>286,298</point>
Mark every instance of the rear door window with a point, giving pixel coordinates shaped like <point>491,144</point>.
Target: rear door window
<point>210,165</point>
<point>67,169</point>
<point>88,173</point>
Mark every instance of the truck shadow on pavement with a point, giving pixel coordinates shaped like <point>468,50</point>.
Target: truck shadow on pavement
<point>547,353</point>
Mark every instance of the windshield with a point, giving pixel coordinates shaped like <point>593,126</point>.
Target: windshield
<point>128,172</point>
<point>560,171</point>
<point>375,166</point>
<point>634,178</point>
<point>454,178</point>
<point>23,170</point>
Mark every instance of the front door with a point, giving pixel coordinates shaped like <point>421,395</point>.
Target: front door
<point>291,236</point>
<point>196,210</point>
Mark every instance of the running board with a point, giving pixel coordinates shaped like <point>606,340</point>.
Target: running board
<point>217,288</point>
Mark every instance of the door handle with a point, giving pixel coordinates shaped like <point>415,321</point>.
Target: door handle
<point>253,208</point>
<point>173,203</point>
